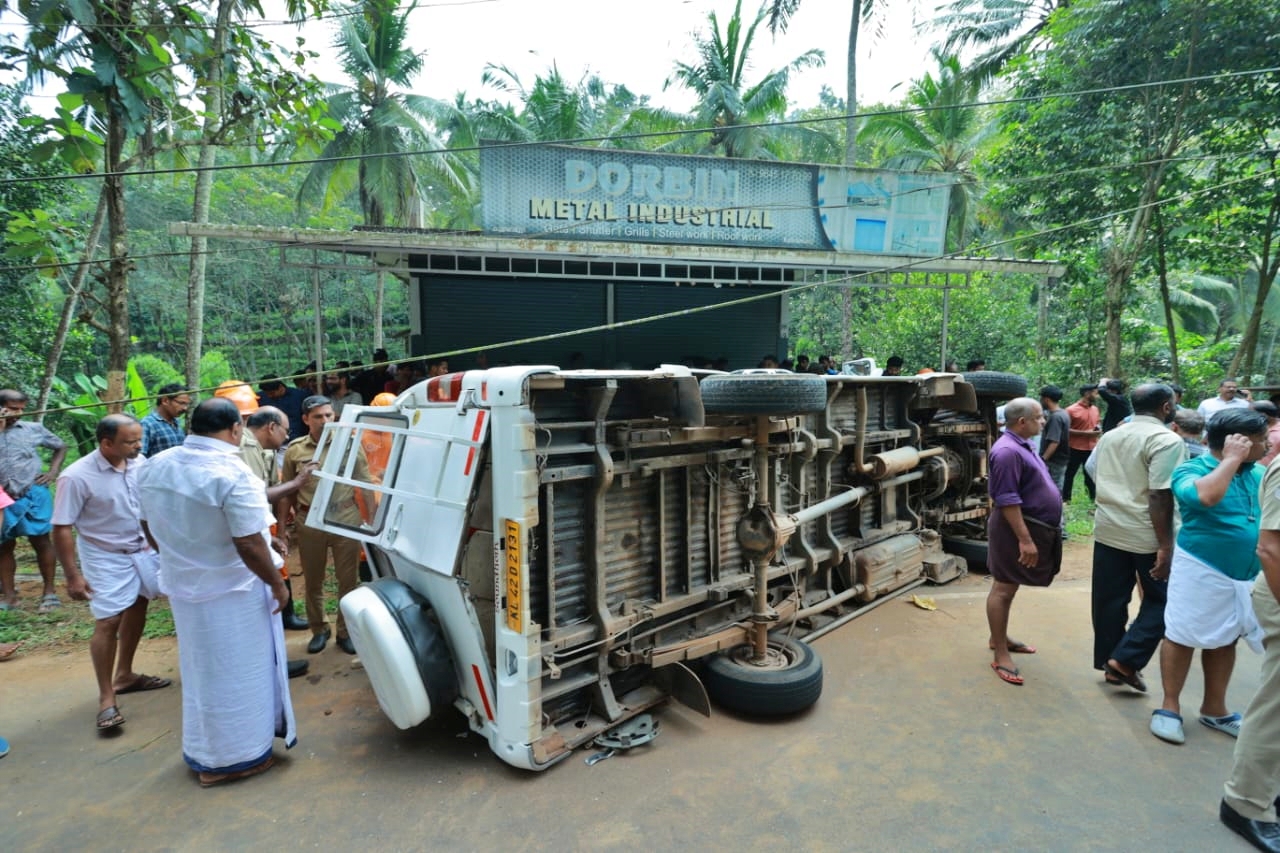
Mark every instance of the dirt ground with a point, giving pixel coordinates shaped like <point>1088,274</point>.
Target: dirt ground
<point>914,745</point>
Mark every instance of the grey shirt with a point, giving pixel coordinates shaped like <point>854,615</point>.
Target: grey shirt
<point>20,461</point>
<point>1057,426</point>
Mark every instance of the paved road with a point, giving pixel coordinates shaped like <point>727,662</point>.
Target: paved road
<point>915,745</point>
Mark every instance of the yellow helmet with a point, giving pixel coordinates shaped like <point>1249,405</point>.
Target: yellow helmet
<point>240,394</point>
<point>386,398</point>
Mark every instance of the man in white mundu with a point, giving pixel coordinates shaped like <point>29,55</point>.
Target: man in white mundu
<point>209,518</point>
<point>108,563</point>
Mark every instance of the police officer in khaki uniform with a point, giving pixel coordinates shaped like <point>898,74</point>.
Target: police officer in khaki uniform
<point>266,431</point>
<point>315,545</point>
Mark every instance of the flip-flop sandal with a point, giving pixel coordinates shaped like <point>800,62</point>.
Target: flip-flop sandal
<point>1016,648</point>
<point>1008,676</point>
<point>49,603</point>
<point>109,718</point>
<point>145,682</point>
<point>1230,724</point>
<point>1134,680</point>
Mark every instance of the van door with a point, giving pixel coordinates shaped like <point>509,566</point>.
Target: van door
<point>413,472</point>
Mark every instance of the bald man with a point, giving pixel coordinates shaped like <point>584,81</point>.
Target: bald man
<point>1023,531</point>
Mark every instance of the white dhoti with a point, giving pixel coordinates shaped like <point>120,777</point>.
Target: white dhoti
<point>235,685</point>
<point>117,579</point>
<point>1206,609</point>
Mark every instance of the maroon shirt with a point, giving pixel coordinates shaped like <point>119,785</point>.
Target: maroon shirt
<point>1019,477</point>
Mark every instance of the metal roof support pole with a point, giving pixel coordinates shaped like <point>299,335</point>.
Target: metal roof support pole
<point>946,319</point>
<point>319,316</point>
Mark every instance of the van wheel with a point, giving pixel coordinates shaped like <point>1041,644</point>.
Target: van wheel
<point>993,383</point>
<point>788,682</point>
<point>764,394</point>
<point>403,649</point>
<point>974,551</point>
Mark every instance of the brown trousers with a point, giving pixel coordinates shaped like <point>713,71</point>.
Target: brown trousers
<point>1255,778</point>
<point>313,552</point>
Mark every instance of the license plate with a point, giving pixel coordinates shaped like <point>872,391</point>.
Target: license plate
<point>514,620</point>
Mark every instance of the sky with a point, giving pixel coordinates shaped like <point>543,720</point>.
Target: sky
<point>637,44</point>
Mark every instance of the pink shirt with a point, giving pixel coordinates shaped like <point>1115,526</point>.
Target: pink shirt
<point>101,502</point>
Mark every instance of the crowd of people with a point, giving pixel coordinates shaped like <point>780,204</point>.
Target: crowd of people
<point>1186,508</point>
<point>189,511</point>
<point>1182,510</point>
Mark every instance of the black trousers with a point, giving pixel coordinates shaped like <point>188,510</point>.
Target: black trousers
<point>1076,463</point>
<point>1114,574</point>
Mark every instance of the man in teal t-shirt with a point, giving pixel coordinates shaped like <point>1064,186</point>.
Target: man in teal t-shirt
<point>1214,565</point>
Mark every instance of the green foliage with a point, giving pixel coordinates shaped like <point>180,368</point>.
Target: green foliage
<point>946,134</point>
<point>370,153</point>
<point>82,400</point>
<point>736,111</point>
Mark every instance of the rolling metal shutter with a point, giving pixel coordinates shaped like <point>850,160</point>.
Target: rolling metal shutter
<point>741,333</point>
<point>464,312</point>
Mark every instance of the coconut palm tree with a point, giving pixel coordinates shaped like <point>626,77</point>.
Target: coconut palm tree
<point>1004,29</point>
<point>385,150</point>
<point>736,112</point>
<point>779,13</point>
<point>945,134</point>
<point>589,112</point>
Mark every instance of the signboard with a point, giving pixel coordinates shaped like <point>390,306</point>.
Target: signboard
<point>604,194</point>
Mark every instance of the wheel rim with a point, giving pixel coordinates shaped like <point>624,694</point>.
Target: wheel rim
<point>777,656</point>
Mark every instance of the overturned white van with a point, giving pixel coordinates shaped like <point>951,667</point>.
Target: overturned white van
<point>557,552</point>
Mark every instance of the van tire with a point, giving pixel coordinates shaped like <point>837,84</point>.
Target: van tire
<point>737,684</point>
<point>993,383</point>
<point>974,551</point>
<point>764,394</point>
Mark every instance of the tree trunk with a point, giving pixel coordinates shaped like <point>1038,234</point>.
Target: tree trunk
<point>1268,261</point>
<point>74,290</point>
<point>1042,320</point>
<point>1162,269</point>
<point>1116,281</point>
<point>117,297</point>
<point>851,89</point>
<point>1123,254</point>
<point>214,76</point>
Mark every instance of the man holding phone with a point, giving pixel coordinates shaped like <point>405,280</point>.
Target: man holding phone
<point>1230,396</point>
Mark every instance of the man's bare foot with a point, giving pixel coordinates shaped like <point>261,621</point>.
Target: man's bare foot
<point>1017,647</point>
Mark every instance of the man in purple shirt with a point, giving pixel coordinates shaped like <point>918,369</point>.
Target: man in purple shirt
<point>1024,542</point>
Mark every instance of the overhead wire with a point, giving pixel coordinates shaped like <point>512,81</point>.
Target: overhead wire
<point>773,293</point>
<point>641,135</point>
<point>569,227</point>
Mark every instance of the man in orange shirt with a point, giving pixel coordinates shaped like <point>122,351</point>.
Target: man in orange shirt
<point>1081,438</point>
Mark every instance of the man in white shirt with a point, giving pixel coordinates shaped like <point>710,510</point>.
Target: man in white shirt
<point>109,563</point>
<point>209,517</point>
<point>1229,397</point>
